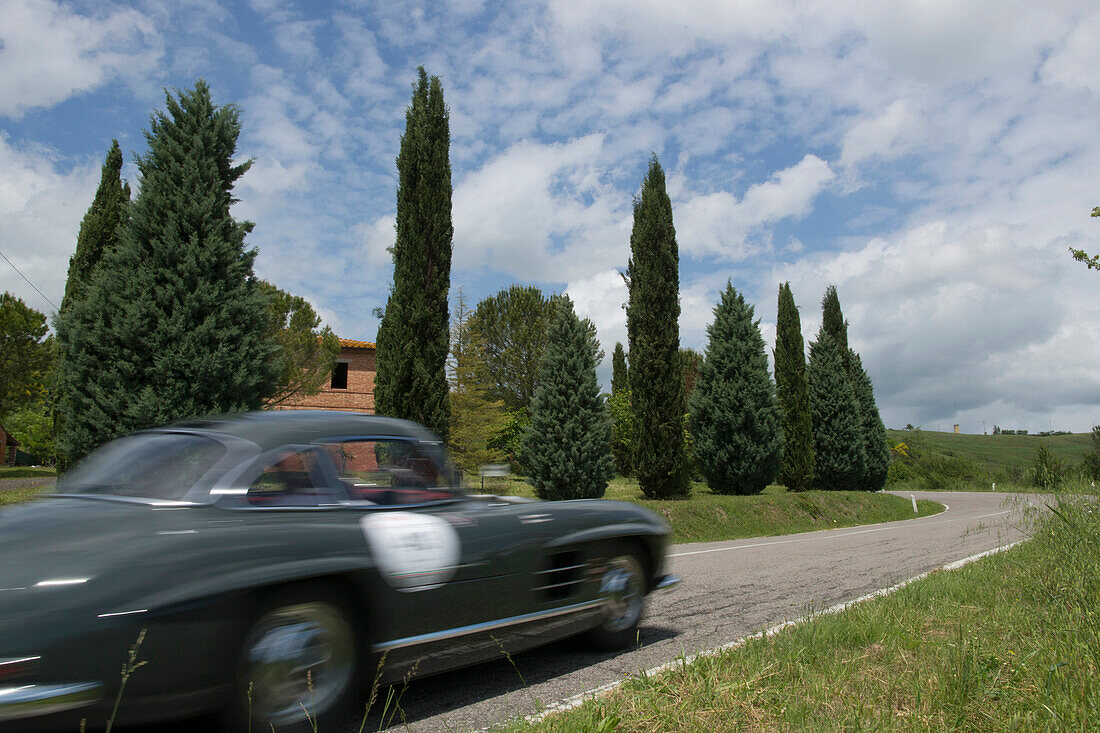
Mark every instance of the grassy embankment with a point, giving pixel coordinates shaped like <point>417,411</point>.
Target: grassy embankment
<point>948,462</point>
<point>1008,643</point>
<point>706,516</point>
<point>14,472</point>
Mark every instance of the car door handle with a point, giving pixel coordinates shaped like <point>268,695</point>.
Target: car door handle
<point>535,518</point>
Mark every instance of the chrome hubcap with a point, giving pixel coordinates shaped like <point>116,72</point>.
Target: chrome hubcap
<point>623,593</point>
<point>298,661</point>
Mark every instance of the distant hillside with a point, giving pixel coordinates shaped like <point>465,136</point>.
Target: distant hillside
<point>949,461</point>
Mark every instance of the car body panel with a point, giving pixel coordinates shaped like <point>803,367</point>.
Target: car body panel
<point>88,572</point>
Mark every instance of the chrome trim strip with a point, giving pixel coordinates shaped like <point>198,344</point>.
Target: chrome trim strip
<point>562,569</point>
<point>485,626</point>
<point>33,700</point>
<point>559,585</point>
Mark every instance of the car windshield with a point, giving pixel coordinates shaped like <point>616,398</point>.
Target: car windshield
<point>145,465</point>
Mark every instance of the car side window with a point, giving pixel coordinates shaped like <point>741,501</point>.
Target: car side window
<point>286,478</point>
<point>388,471</point>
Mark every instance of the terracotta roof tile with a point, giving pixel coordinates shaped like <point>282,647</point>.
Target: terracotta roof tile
<point>353,344</point>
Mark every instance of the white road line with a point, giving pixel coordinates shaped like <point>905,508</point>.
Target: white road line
<point>576,700</point>
<point>839,533</point>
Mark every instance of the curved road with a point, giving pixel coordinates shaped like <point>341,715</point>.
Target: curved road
<point>731,589</point>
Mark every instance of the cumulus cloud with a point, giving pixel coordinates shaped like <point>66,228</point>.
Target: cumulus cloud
<point>49,53</point>
<point>718,224</point>
<point>41,205</point>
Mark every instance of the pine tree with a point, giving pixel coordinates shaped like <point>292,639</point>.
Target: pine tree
<point>413,337</point>
<point>307,352</point>
<point>618,406</point>
<point>475,419</point>
<point>839,457</point>
<point>566,447</point>
<point>875,445</point>
<point>100,228</point>
<point>796,472</point>
<point>652,322</point>
<point>173,323</point>
<point>734,417</point>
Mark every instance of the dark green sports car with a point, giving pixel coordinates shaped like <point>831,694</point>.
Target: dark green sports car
<point>269,563</point>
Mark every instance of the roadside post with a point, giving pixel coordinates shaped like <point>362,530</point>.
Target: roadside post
<point>914,498</point>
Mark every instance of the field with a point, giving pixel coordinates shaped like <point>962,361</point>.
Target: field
<point>945,461</point>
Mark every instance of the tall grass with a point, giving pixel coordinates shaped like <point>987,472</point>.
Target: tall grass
<point>1008,643</point>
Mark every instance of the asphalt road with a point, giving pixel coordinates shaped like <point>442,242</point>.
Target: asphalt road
<point>730,589</point>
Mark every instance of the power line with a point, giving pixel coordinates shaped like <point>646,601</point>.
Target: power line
<point>28,281</point>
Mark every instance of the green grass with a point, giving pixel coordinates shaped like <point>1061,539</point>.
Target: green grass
<point>1009,643</point>
<point>13,472</point>
<point>945,461</point>
<point>707,517</point>
<point>15,496</point>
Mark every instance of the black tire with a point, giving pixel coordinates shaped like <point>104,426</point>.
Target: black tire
<point>297,665</point>
<point>623,587</point>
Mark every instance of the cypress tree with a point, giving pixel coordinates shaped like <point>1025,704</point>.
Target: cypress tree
<point>618,405</point>
<point>619,375</point>
<point>832,321</point>
<point>875,445</point>
<point>99,230</point>
<point>566,447</point>
<point>652,323</point>
<point>734,417</point>
<point>839,457</point>
<point>796,472</point>
<point>173,323</point>
<point>413,337</point>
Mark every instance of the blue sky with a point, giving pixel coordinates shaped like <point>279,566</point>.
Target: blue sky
<point>932,158</point>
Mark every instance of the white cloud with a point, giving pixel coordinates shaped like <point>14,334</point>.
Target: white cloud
<point>717,224</point>
<point>541,212</point>
<point>48,53</point>
<point>1074,65</point>
<point>41,205</point>
<point>880,138</point>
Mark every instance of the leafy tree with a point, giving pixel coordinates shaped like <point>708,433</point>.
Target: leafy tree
<point>796,472</point>
<point>510,438</point>
<point>173,322</point>
<point>618,407</point>
<point>875,445</point>
<point>33,427</point>
<point>1091,464</point>
<point>475,419</point>
<point>1047,472</point>
<point>1093,262</point>
<point>413,337</point>
<point>26,354</point>
<point>566,447</point>
<point>652,322</point>
<point>691,361</point>
<point>307,353</point>
<point>100,228</point>
<point>514,323</point>
<point>622,430</point>
<point>735,421</point>
<point>840,460</point>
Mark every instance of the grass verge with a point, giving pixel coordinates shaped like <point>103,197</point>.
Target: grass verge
<point>1008,643</point>
<point>15,496</point>
<point>14,472</point>
<point>709,517</point>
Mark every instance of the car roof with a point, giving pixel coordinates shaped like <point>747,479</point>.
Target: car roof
<point>273,428</point>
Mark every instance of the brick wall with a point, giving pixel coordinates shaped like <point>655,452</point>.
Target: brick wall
<point>358,397</point>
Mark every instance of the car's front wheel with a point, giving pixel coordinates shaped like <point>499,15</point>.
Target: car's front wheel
<point>297,663</point>
<point>622,588</point>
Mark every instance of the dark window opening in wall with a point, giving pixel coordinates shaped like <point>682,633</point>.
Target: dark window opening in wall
<point>340,375</point>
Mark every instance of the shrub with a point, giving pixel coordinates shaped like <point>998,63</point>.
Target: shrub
<point>1047,472</point>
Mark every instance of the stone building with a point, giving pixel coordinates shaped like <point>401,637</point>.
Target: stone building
<point>351,387</point>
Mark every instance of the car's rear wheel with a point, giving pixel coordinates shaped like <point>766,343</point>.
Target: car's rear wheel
<point>297,663</point>
<point>622,588</point>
